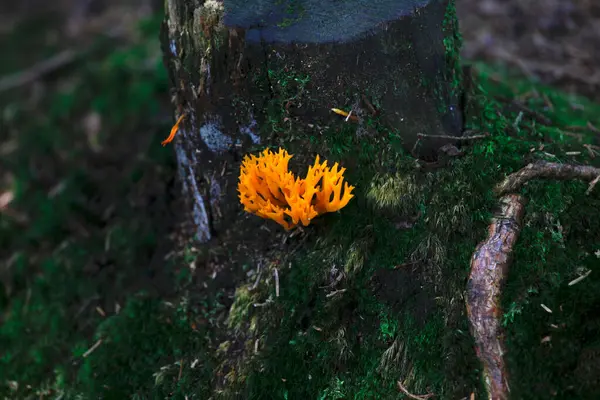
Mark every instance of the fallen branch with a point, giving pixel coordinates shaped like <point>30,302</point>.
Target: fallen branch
<point>489,266</point>
<point>547,170</point>
<point>38,70</point>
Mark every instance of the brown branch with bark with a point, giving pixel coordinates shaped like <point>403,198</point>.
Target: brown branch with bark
<point>546,170</point>
<point>490,263</point>
<point>489,266</point>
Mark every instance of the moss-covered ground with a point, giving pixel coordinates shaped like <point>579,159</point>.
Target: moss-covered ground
<point>98,300</point>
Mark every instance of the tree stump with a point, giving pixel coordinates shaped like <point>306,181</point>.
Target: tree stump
<point>249,73</point>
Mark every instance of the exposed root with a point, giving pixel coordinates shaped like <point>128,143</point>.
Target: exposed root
<point>489,266</point>
<point>546,170</point>
<point>490,263</point>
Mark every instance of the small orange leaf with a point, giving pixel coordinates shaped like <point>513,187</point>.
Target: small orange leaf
<point>340,112</point>
<point>174,130</point>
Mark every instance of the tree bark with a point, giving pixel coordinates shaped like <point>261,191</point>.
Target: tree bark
<point>249,73</point>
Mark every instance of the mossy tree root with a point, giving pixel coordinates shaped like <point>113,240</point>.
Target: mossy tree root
<point>490,263</point>
<point>489,266</point>
<point>548,170</point>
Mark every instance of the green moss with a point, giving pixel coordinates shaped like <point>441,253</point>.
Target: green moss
<point>368,300</point>
<point>452,73</point>
<point>452,44</point>
<point>240,310</point>
<point>294,11</point>
<point>359,341</point>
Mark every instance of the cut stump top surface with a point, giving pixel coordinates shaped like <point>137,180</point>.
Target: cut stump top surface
<point>314,21</point>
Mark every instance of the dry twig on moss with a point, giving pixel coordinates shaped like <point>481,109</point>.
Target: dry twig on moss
<point>413,396</point>
<point>461,138</point>
<point>489,266</point>
<point>547,170</point>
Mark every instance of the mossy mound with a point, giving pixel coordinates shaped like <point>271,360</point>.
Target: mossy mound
<point>373,295</point>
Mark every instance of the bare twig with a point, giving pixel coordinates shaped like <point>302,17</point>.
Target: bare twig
<point>546,170</point>
<point>266,303</point>
<point>414,149</point>
<point>93,348</point>
<point>38,70</point>
<point>463,138</point>
<point>592,127</point>
<point>546,308</point>
<point>413,396</point>
<point>592,184</point>
<point>180,370</point>
<point>582,277</point>
<point>276,275</point>
<point>591,150</point>
<point>258,273</point>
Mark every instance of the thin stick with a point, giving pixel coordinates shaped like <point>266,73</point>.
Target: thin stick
<point>38,70</point>
<point>413,396</point>
<point>257,276</point>
<point>93,348</point>
<point>464,138</point>
<point>276,275</point>
<point>592,127</point>
<point>266,303</point>
<point>349,115</point>
<point>180,370</point>
<point>413,151</point>
<point>582,277</point>
<point>592,153</point>
<point>592,184</point>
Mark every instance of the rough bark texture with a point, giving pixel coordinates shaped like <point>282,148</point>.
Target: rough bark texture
<point>490,263</point>
<point>230,61</point>
<point>489,267</point>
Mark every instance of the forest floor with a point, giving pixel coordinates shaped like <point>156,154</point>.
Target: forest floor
<point>91,289</point>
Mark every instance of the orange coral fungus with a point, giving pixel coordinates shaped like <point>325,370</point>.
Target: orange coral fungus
<point>269,190</point>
